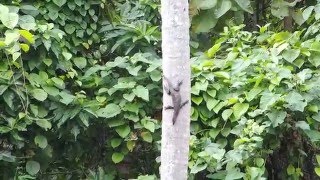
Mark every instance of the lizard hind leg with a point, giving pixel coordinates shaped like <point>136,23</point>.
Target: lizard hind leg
<point>168,107</point>
<point>184,103</point>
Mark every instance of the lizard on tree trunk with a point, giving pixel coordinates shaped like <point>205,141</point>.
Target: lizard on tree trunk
<point>174,92</point>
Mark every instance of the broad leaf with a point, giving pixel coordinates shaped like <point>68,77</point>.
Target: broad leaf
<point>39,94</point>
<point>41,141</point>
<point>32,167</point>
<point>123,131</point>
<point>276,117</point>
<point>117,157</point>
<point>109,111</point>
<point>239,109</point>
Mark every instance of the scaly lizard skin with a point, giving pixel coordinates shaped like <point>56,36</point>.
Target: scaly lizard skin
<point>174,92</point>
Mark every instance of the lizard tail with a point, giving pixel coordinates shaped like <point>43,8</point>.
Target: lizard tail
<point>174,118</point>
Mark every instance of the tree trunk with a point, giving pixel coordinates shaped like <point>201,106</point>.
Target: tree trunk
<point>288,20</point>
<point>176,68</point>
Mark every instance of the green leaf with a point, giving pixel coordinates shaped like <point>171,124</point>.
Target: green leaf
<point>117,157</point>
<point>133,70</point>
<point>295,102</point>
<point>51,90</point>
<point>212,92</point>
<point>204,4</point>
<point>149,125</point>
<point>80,62</point>
<point>211,103</point>
<point>314,59</point>
<point>75,131</point>
<point>317,11</point>
<point>109,111</point>
<point>218,107</point>
<point>204,21</point>
<point>234,174</point>
<point>146,136</point>
<point>291,54</point>
<point>10,20</point>
<point>318,159</point>
<point>222,74</point>
<point>307,12</point>
<point>123,131</point>
<point>226,114</point>
<point>115,142</point>
<point>198,167</point>
<point>302,125</point>
<point>8,98</point>
<point>39,94</point>
<point>280,8</point>
<point>11,36</point>
<point>291,170</point>
<point>276,117</point>
<point>67,55</point>
<point>41,141</point>
<point>69,28</point>
<point>239,109</point>
<point>58,82</point>
<point>27,22</point>
<point>24,47</point>
<point>213,50</point>
<point>298,17</point>
<point>130,145</point>
<point>128,97</point>
<point>317,170</point>
<point>84,118</point>
<point>115,122</point>
<point>222,7</point>
<point>314,135</point>
<point>4,10</point>
<point>45,124</point>
<point>66,97</point>
<point>141,92</point>
<point>197,100</point>
<point>32,167</point>
<point>315,46</point>
<point>27,35</point>
<point>253,93</point>
<point>3,88</point>
<point>59,2</point>
<point>245,5</point>
<point>268,99</point>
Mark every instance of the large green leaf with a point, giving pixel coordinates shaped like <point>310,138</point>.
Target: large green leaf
<point>141,92</point>
<point>10,20</point>
<point>39,94</point>
<point>59,2</point>
<point>123,131</point>
<point>27,22</point>
<point>239,109</point>
<point>41,141</point>
<point>117,157</point>
<point>222,7</point>
<point>80,62</point>
<point>291,54</point>
<point>277,117</point>
<point>295,101</point>
<point>314,59</point>
<point>109,111</point>
<point>245,5</point>
<point>32,167</point>
<point>204,4</point>
<point>268,99</point>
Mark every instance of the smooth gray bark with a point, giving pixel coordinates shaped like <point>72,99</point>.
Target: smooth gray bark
<point>176,66</point>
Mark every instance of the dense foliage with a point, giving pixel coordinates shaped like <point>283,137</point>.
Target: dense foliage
<point>80,86</point>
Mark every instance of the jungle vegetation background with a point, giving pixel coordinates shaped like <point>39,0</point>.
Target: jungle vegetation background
<point>80,89</point>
